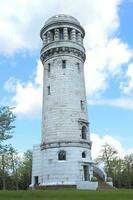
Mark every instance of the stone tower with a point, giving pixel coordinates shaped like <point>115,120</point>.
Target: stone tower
<point>64,156</point>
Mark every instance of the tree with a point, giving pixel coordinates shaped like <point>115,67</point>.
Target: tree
<point>6,124</point>
<point>108,155</point>
<point>120,169</point>
<point>6,129</point>
<point>14,162</point>
<point>25,170</point>
<point>118,172</point>
<point>128,170</point>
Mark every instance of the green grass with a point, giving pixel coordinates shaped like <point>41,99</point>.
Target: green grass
<point>67,194</point>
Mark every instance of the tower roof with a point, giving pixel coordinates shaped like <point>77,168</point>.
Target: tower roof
<point>62,19</point>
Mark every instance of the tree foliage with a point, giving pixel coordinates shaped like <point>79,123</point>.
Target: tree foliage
<point>109,156</point>
<point>120,169</point>
<point>25,170</point>
<point>6,126</point>
<point>17,170</point>
<point>6,130</point>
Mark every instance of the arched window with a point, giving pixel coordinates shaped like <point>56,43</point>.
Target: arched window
<point>62,155</point>
<point>84,130</point>
<point>83,154</point>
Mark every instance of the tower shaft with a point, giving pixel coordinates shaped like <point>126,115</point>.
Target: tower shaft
<point>65,141</point>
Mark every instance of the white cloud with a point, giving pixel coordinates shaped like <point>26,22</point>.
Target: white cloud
<point>118,53</point>
<point>25,18</point>
<point>28,99</point>
<point>10,84</point>
<point>106,54</point>
<point>125,103</point>
<point>20,22</point>
<point>127,87</point>
<point>28,96</point>
<point>103,62</point>
<point>39,73</point>
<point>98,142</point>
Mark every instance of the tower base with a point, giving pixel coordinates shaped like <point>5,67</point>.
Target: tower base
<point>49,172</point>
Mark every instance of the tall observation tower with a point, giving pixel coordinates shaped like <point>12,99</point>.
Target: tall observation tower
<point>64,155</point>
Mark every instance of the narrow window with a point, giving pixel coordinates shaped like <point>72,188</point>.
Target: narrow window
<point>61,34</point>
<point>52,35</point>
<point>84,130</point>
<point>63,64</point>
<point>78,67</point>
<point>49,67</point>
<point>82,105</point>
<point>76,35</point>
<point>48,90</point>
<point>83,154</point>
<point>62,155</point>
<point>69,34</point>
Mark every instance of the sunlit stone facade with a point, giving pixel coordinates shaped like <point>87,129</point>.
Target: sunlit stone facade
<point>64,155</point>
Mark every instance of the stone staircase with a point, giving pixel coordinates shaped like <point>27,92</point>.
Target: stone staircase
<point>103,185</point>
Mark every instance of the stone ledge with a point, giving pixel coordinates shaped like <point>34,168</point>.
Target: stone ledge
<point>83,144</point>
<point>62,50</point>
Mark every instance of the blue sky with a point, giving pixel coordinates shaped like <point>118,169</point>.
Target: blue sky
<point>108,67</point>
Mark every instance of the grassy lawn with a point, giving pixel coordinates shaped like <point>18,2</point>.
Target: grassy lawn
<point>67,194</point>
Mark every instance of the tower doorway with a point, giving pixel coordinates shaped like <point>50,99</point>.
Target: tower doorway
<point>86,172</point>
<point>36,180</point>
